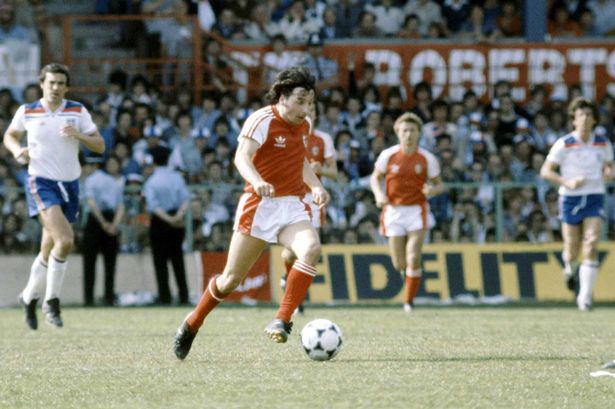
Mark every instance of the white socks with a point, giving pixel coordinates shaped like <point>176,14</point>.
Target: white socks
<point>587,276</point>
<point>36,283</point>
<point>55,278</point>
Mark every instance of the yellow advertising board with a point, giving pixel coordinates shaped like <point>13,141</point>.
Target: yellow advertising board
<point>364,273</point>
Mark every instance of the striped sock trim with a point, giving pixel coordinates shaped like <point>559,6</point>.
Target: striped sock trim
<point>214,290</point>
<point>414,273</point>
<point>590,263</point>
<point>305,268</point>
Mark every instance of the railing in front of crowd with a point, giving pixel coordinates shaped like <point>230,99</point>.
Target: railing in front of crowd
<point>465,212</point>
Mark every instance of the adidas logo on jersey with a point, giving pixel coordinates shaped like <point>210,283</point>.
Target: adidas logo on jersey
<point>394,168</point>
<point>280,142</point>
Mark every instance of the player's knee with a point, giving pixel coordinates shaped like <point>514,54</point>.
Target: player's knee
<point>288,256</point>
<point>227,283</point>
<point>65,243</point>
<point>312,253</point>
<point>414,261</point>
<point>399,265</point>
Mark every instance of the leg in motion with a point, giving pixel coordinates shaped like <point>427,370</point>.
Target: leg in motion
<point>243,252</point>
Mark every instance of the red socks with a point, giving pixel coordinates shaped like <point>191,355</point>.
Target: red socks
<point>298,282</point>
<point>209,300</point>
<point>413,282</point>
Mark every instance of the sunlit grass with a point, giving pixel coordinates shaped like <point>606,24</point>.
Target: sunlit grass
<point>436,357</point>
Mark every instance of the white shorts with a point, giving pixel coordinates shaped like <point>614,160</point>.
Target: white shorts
<point>400,220</point>
<point>264,217</point>
<point>318,213</point>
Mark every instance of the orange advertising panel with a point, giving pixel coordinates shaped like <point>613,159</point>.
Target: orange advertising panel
<point>452,69</point>
<point>254,288</point>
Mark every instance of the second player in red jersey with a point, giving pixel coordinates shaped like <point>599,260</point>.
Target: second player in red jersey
<point>404,177</point>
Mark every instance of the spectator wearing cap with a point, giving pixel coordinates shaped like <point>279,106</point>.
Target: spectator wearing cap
<point>352,162</point>
<point>104,192</point>
<point>167,200</point>
<point>325,69</point>
<point>152,137</point>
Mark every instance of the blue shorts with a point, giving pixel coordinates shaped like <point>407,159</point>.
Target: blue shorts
<point>573,209</point>
<point>43,193</point>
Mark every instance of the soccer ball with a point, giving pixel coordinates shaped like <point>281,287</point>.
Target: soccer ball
<point>321,339</point>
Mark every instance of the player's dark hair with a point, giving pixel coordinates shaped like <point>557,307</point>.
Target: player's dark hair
<point>289,79</point>
<point>54,68</point>
<point>582,103</point>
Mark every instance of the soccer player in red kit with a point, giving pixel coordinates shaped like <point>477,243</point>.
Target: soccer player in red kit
<point>411,175</point>
<point>271,157</point>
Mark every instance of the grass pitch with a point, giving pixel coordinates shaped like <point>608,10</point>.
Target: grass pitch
<point>504,357</point>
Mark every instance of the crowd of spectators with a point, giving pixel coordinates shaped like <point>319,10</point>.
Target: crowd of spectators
<point>478,142</point>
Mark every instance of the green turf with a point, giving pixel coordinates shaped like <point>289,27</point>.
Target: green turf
<point>435,358</point>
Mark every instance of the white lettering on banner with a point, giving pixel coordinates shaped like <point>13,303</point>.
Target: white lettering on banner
<point>587,59</point>
<point>251,283</point>
<point>547,66</point>
<point>499,69</point>
<point>451,70</point>
<point>390,61</point>
<point>460,76</point>
<point>431,60</point>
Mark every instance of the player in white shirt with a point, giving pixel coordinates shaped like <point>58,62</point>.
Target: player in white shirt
<point>55,127</point>
<point>585,162</point>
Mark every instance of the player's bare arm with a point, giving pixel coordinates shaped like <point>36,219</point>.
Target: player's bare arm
<point>607,172</point>
<point>245,166</point>
<point>328,169</point>
<point>549,172</point>
<point>375,182</point>
<point>12,141</point>
<point>434,187</point>
<point>319,194</point>
<point>93,141</point>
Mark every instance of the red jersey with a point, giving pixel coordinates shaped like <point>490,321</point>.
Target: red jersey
<point>281,154</point>
<point>405,174</point>
<point>320,147</point>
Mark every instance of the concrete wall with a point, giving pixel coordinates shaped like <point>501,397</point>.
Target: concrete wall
<point>135,272</point>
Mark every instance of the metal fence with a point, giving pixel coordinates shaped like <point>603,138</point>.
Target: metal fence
<point>466,212</point>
